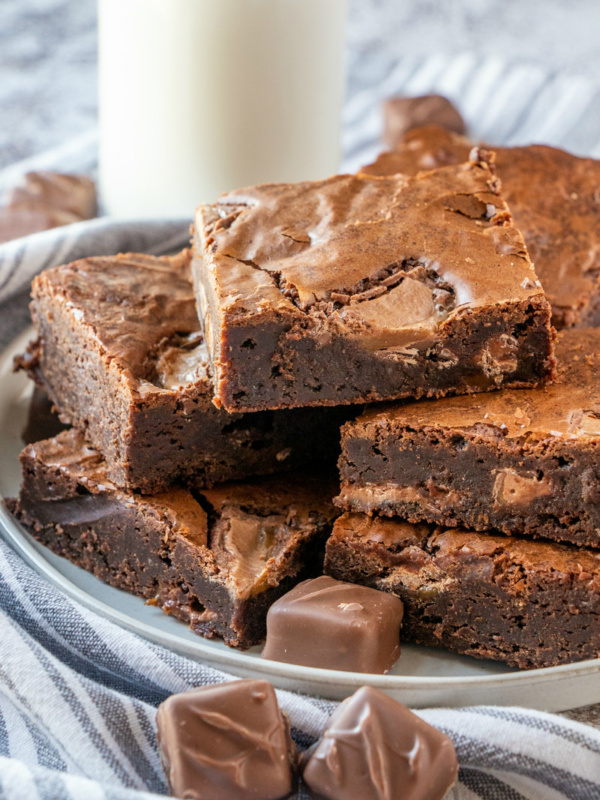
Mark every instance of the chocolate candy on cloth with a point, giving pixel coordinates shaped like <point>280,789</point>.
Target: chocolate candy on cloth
<point>374,748</point>
<point>330,624</point>
<point>227,741</point>
<point>44,200</point>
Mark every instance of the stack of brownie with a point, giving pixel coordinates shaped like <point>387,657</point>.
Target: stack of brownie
<point>406,289</point>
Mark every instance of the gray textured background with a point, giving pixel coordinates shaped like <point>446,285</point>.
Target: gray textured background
<point>48,52</point>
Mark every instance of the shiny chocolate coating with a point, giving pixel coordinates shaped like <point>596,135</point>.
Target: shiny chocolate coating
<point>402,114</point>
<point>73,194</point>
<point>44,200</point>
<point>227,742</point>
<point>374,748</point>
<point>335,625</point>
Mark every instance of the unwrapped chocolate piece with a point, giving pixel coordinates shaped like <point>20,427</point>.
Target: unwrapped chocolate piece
<point>374,748</point>
<point>44,200</point>
<point>334,625</point>
<point>229,741</point>
<point>73,194</point>
<point>402,114</point>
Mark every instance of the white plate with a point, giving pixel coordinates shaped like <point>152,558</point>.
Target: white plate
<point>422,676</point>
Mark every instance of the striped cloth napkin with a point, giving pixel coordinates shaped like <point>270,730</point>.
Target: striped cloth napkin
<point>77,693</point>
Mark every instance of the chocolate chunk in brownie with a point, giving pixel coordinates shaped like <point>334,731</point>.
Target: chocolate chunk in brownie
<point>402,114</point>
<point>374,748</point>
<point>216,559</point>
<point>523,462</point>
<point>329,624</point>
<point>358,289</point>
<point>529,604</point>
<point>555,200</point>
<point>121,355</point>
<point>227,741</point>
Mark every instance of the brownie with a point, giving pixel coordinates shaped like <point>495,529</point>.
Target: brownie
<point>529,604</point>
<point>402,114</point>
<point>121,355</point>
<point>523,462</point>
<point>361,288</point>
<point>554,198</point>
<point>216,559</point>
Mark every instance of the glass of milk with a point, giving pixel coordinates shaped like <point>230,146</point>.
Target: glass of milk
<point>199,97</point>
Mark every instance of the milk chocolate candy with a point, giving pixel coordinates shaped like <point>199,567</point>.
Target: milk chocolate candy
<point>335,625</point>
<point>402,114</point>
<point>373,748</point>
<point>227,742</point>
<point>73,194</point>
<point>44,200</point>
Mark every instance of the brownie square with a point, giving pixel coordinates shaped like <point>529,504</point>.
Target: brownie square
<point>358,289</point>
<point>216,559</point>
<point>553,197</point>
<point>523,462</point>
<point>121,355</point>
<point>529,604</point>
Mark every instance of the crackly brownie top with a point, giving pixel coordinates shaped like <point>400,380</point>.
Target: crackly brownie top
<point>425,548</point>
<point>140,308</point>
<point>244,531</point>
<point>421,149</point>
<point>393,252</point>
<point>555,200</point>
<point>569,408</point>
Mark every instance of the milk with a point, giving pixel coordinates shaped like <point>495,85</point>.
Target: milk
<point>198,97</point>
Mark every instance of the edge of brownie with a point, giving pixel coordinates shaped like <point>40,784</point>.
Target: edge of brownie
<point>522,462</point>
<point>529,604</point>
<point>121,356</point>
<point>216,559</point>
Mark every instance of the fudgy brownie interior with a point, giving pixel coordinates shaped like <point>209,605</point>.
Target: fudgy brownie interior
<point>523,462</point>
<point>529,604</point>
<point>121,355</point>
